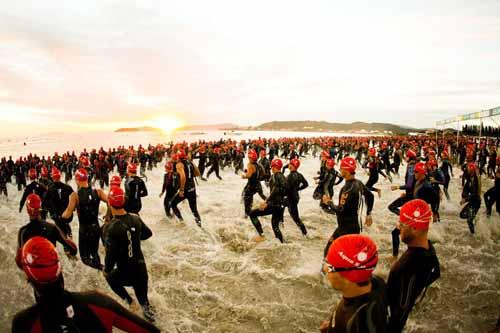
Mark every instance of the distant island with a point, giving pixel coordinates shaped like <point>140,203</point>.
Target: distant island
<point>138,129</point>
<point>324,126</point>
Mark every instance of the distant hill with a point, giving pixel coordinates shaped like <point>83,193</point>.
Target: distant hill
<point>224,126</point>
<point>324,126</point>
<point>139,129</point>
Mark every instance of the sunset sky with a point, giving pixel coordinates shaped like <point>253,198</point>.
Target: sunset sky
<point>84,65</point>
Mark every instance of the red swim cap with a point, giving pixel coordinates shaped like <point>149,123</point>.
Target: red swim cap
<point>330,163</point>
<point>276,164</point>
<point>132,168</point>
<point>81,175</point>
<point>40,261</point>
<point>32,174</point>
<point>410,154</point>
<point>44,172</point>
<point>354,251</point>
<point>416,214</point>
<point>116,197</point>
<point>252,155</point>
<point>33,204</point>
<point>55,174</point>
<point>295,162</point>
<point>420,168</point>
<point>115,181</point>
<point>349,164</point>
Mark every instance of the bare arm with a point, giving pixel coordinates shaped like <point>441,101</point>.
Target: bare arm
<point>73,201</point>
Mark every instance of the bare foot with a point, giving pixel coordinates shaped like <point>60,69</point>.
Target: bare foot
<point>258,239</point>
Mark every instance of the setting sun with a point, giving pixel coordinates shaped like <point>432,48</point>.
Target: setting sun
<point>167,123</point>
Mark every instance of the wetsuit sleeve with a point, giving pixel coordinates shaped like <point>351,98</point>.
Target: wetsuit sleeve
<point>20,242</point>
<point>143,191</point>
<point>23,199</point>
<point>66,242</point>
<point>329,178</point>
<point>274,192</point>
<point>111,314</point>
<point>369,198</point>
<point>165,181</point>
<point>303,183</point>
<point>112,250</point>
<point>339,177</point>
<point>146,233</point>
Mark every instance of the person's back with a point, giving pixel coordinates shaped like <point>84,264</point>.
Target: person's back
<point>409,277</point>
<point>60,311</point>
<point>417,268</point>
<point>123,242</point>
<point>79,312</point>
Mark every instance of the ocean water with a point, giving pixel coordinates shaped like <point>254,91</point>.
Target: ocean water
<point>217,279</point>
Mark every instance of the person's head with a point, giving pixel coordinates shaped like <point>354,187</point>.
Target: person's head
<point>325,155</point>
<point>40,262</point>
<point>294,164</point>
<point>55,174</point>
<point>411,155</point>
<point>350,262</point>
<point>32,175</point>
<point>81,177</point>
<point>44,172</point>
<point>330,163</point>
<point>115,181</point>
<point>276,165</point>
<point>372,152</point>
<point>33,206</point>
<point>181,154</point>
<point>420,171</point>
<point>262,153</point>
<point>414,219</point>
<point>431,165</point>
<point>116,199</point>
<point>252,155</point>
<point>84,161</point>
<point>348,167</point>
<point>132,169</point>
<point>444,155</point>
<point>169,166</point>
<point>471,168</point>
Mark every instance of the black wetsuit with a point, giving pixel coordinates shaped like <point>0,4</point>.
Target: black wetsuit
<point>350,204</point>
<point>362,314</point>
<point>135,189</point>
<point>46,230</point>
<point>446,168</point>
<point>416,270</point>
<point>57,200</point>
<point>36,188</point>
<point>372,164</point>
<point>68,312</point>
<point>253,186</point>
<point>170,188</point>
<point>189,193</point>
<point>20,173</point>
<point>295,182</point>
<point>492,196</point>
<point>90,232</point>
<point>202,156</point>
<point>123,236</point>
<point>471,195</point>
<point>266,166</point>
<point>275,206</point>
<point>4,177</point>
<point>214,160</point>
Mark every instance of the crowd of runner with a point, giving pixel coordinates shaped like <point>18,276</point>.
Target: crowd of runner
<point>115,177</point>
